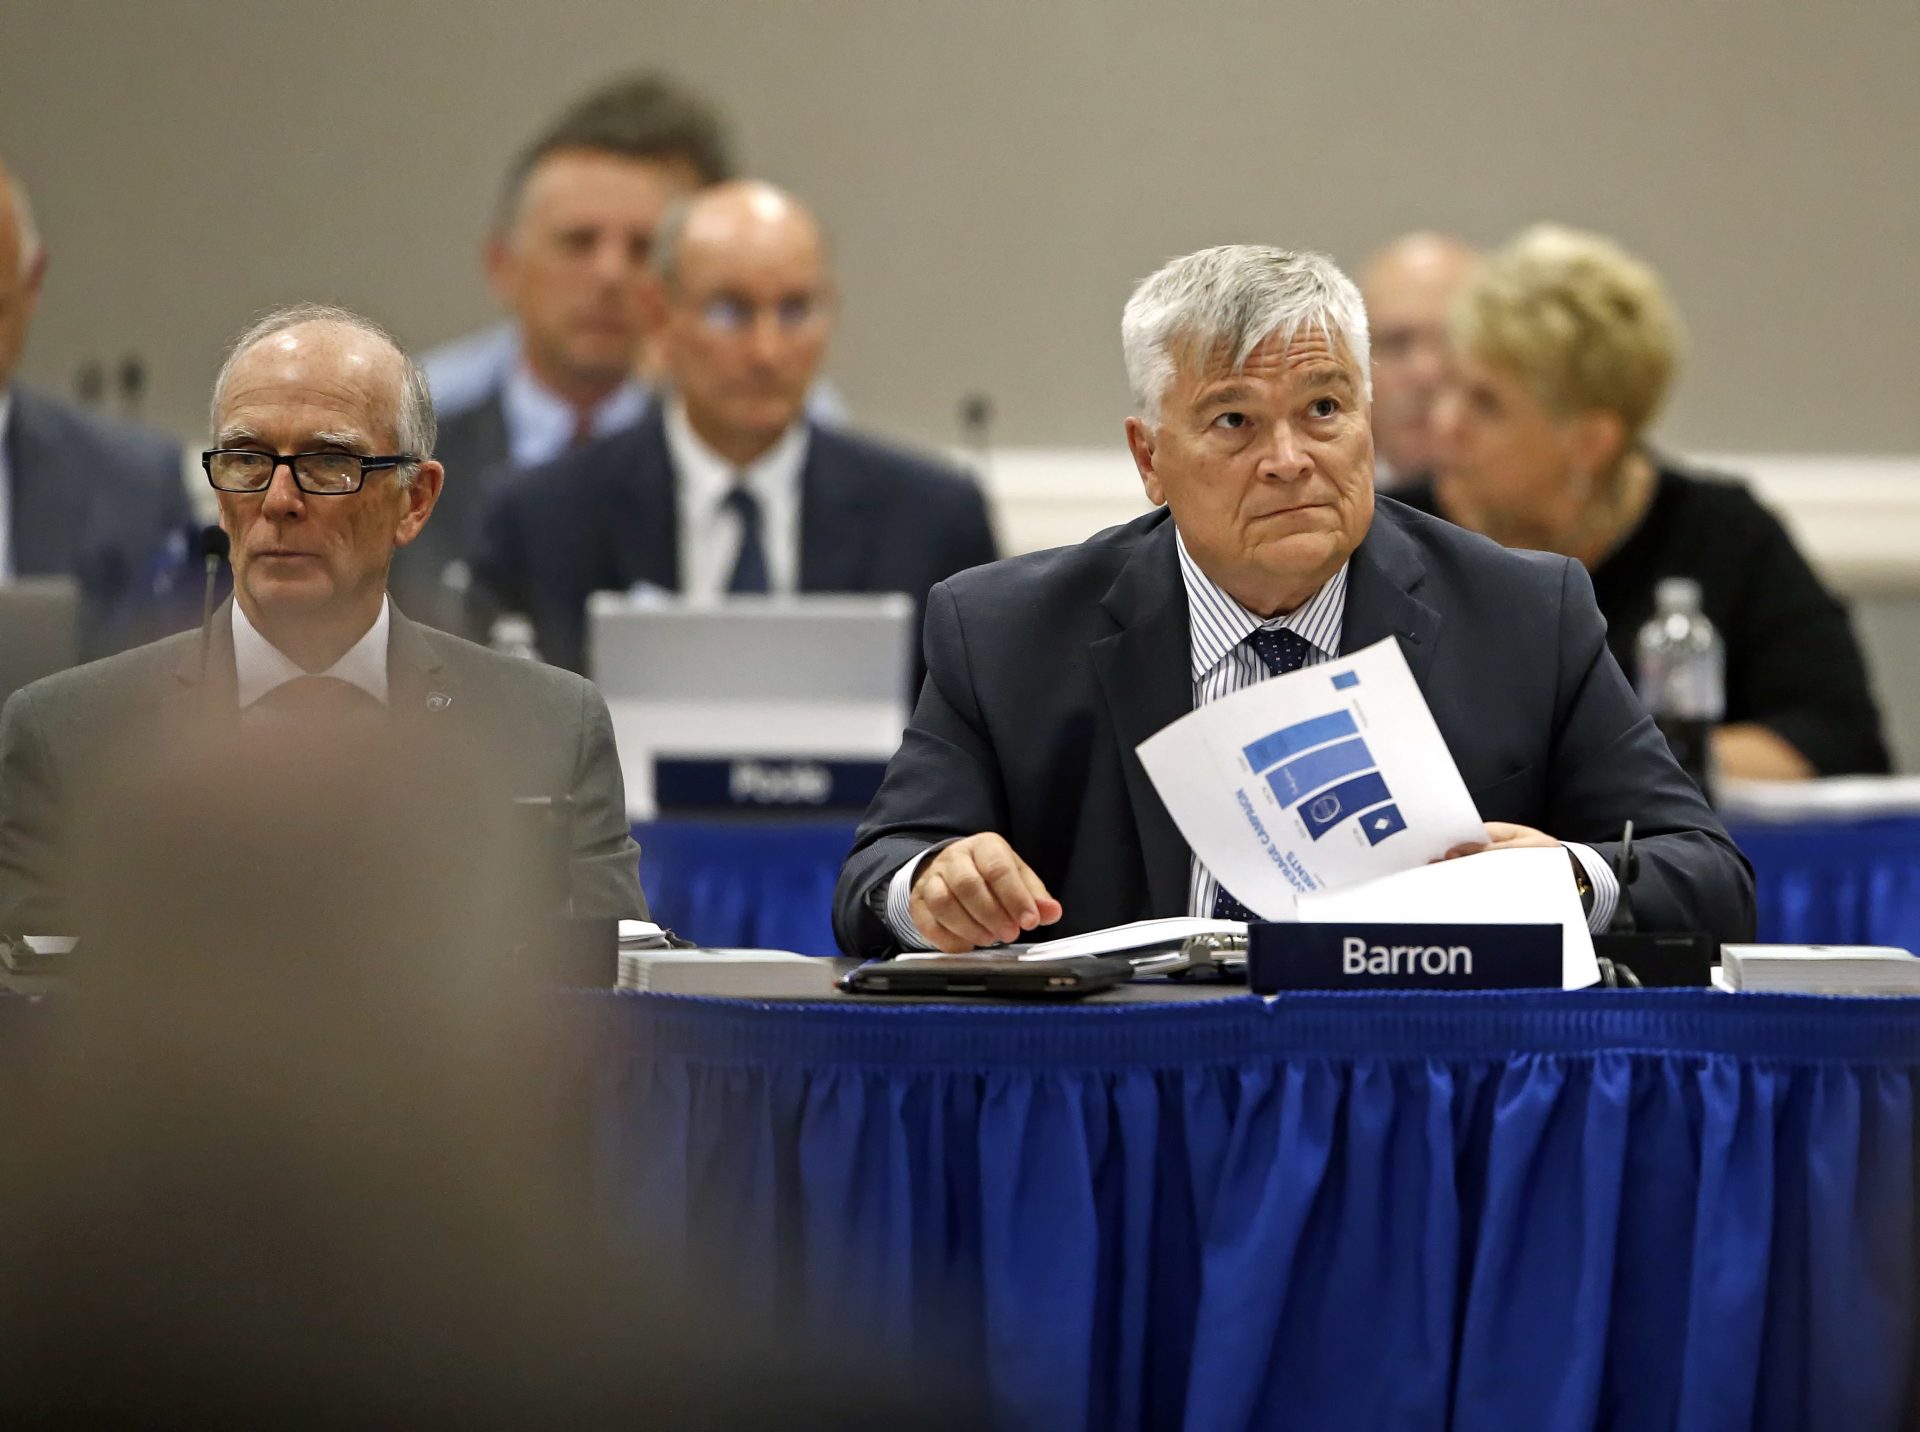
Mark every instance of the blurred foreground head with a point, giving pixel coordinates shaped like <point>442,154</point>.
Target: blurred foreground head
<point>297,1156</point>
<point>307,1146</point>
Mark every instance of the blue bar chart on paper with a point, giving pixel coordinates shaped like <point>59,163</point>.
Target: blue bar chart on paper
<point>1341,777</point>
<point>1315,780</point>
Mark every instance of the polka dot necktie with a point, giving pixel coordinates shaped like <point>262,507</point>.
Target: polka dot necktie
<point>1282,651</point>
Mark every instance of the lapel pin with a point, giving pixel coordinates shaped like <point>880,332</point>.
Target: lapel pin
<point>438,701</point>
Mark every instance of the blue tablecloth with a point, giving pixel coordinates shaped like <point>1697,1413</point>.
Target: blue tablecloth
<point>757,884</point>
<point>1827,882</point>
<point>1674,1209</point>
<point>1840,882</point>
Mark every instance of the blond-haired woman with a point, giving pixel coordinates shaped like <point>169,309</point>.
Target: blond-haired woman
<point>1564,349</point>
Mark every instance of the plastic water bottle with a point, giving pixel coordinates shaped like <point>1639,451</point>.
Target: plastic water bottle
<point>1683,676</point>
<point>512,635</point>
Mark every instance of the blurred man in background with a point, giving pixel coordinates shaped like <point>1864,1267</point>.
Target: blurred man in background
<point>81,495</point>
<point>567,259</point>
<point>727,487</point>
<point>323,465</point>
<point>1409,286</point>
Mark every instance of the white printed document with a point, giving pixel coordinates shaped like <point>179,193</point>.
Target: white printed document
<point>1316,780</point>
<point>1141,937</point>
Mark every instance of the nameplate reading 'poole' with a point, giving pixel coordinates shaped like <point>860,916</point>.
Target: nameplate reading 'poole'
<point>764,783</point>
<point>1337,956</point>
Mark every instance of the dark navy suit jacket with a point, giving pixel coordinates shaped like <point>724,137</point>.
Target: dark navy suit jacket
<point>605,518</point>
<point>96,499</point>
<point>1045,671</point>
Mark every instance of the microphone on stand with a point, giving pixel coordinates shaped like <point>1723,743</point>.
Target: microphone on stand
<point>133,384</point>
<point>1626,870</point>
<point>90,383</point>
<point>213,546</point>
<point>1635,957</point>
<point>976,433</point>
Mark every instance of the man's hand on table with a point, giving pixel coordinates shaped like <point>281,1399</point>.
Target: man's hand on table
<point>977,892</point>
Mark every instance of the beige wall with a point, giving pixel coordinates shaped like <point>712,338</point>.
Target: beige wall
<point>999,171</point>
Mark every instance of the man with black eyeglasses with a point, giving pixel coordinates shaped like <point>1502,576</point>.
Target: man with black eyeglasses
<point>323,466</point>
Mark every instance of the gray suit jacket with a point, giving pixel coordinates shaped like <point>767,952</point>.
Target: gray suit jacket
<point>548,727</point>
<point>96,499</point>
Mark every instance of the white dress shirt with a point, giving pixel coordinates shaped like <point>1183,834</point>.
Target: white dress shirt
<point>260,667</point>
<point>540,425</point>
<point>1223,663</point>
<point>710,530</point>
<point>6,490</point>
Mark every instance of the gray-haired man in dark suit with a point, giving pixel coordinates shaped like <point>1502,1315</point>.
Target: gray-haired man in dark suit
<point>322,458</point>
<point>1016,799</point>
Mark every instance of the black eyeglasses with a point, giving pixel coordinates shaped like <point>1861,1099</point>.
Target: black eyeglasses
<point>324,474</point>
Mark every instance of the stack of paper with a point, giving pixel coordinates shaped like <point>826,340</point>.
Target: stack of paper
<point>1139,939</point>
<point>1820,969</point>
<point>746,974</point>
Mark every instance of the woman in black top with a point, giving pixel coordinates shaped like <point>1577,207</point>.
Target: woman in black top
<point>1564,347</point>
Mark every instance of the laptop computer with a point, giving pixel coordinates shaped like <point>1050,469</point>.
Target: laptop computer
<point>816,678</point>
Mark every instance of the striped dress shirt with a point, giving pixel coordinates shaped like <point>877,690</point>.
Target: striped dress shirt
<point>1223,662</point>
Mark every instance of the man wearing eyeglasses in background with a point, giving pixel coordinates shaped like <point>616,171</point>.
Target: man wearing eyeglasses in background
<point>322,460</point>
<point>567,259</point>
<point>726,487</point>
<point>1409,287</point>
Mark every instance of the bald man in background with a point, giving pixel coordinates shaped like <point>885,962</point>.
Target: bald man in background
<point>1409,286</point>
<point>727,486</point>
<point>81,495</point>
<point>567,259</point>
